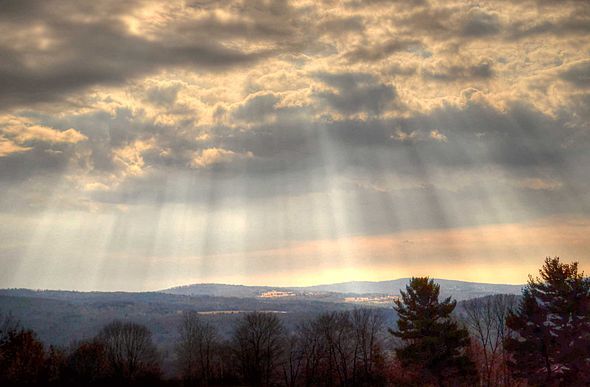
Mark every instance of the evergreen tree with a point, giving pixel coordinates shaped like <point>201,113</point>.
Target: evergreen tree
<point>550,344</point>
<point>435,346</point>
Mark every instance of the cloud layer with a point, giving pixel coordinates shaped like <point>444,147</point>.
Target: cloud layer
<point>305,120</point>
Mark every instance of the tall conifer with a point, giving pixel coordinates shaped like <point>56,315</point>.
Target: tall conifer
<point>434,345</point>
<point>550,341</point>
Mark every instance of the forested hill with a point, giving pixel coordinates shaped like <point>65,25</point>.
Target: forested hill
<point>459,290</point>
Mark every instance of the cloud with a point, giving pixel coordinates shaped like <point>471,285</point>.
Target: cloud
<point>379,51</point>
<point>216,156</point>
<point>402,136</point>
<point>19,135</point>
<point>8,147</point>
<point>130,159</point>
<point>27,129</point>
<point>575,24</point>
<point>478,22</point>
<point>438,136</point>
<point>407,115</point>
<point>26,133</point>
<point>337,26</point>
<point>540,184</point>
<point>256,107</point>
<point>164,95</point>
<point>66,54</point>
<point>457,72</point>
<point>412,136</point>
<point>355,93</point>
<point>578,74</point>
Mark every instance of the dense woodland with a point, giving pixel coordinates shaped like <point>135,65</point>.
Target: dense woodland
<point>540,339</point>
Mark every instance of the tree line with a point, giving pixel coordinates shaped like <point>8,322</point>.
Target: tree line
<point>539,339</point>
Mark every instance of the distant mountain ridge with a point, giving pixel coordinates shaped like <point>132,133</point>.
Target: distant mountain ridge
<point>459,290</point>
<point>62,316</point>
<point>219,290</point>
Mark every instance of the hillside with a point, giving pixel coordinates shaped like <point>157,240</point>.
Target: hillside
<point>459,290</point>
<point>62,316</point>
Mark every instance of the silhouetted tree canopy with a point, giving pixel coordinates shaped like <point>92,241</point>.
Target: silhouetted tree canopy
<point>22,358</point>
<point>87,364</point>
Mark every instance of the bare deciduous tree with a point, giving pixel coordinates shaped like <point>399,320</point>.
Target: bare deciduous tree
<point>293,361</point>
<point>336,332</point>
<point>87,363</point>
<point>367,325</point>
<point>196,349</point>
<point>309,341</point>
<point>129,349</point>
<point>342,348</point>
<point>259,344</point>
<point>8,324</point>
<point>486,319</point>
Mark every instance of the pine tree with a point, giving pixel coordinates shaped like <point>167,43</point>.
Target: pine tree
<point>435,346</point>
<point>550,341</point>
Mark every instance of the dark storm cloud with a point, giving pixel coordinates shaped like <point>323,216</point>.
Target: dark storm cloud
<point>40,160</point>
<point>259,20</point>
<point>356,92</point>
<point>578,74</point>
<point>520,139</point>
<point>295,156</point>
<point>476,134</point>
<point>382,50</point>
<point>574,25</point>
<point>163,95</point>
<point>338,26</point>
<point>287,27</point>
<point>449,73</point>
<point>152,134</point>
<point>444,22</point>
<point>480,23</point>
<point>380,3</point>
<point>284,141</point>
<point>432,21</point>
<point>105,134</point>
<point>479,134</point>
<point>96,52</point>
<point>257,107</point>
<point>397,69</point>
<point>105,58</point>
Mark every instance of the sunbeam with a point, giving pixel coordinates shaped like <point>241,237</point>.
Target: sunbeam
<point>144,146</point>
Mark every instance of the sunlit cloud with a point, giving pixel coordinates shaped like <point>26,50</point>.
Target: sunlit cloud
<point>214,156</point>
<point>261,141</point>
<point>8,147</point>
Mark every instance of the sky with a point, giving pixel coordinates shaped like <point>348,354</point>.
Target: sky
<point>148,144</point>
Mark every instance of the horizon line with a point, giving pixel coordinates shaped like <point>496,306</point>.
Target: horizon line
<point>251,285</point>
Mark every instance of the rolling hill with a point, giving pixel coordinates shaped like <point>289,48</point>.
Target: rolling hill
<point>459,290</point>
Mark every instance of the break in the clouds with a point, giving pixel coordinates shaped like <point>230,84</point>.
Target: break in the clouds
<point>146,144</point>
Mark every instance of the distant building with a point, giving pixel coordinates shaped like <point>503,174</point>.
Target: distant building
<point>373,300</point>
<point>277,294</point>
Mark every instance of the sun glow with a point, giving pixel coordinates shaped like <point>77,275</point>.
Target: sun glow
<point>145,145</point>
